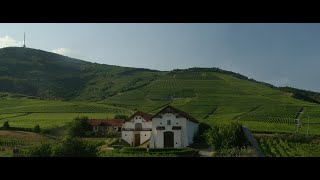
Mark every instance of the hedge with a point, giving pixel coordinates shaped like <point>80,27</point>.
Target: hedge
<point>133,149</point>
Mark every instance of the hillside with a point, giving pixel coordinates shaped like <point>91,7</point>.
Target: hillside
<point>52,76</point>
<point>54,89</point>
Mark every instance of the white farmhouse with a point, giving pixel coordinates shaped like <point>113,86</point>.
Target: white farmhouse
<point>137,129</point>
<point>172,128</point>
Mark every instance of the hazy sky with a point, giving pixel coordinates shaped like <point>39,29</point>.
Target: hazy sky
<point>280,54</point>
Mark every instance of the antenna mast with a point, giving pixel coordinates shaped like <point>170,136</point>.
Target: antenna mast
<point>24,40</point>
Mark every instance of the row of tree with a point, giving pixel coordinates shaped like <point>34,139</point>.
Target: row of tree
<point>6,126</point>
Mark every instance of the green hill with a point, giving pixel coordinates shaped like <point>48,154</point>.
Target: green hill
<point>52,76</point>
<point>57,88</point>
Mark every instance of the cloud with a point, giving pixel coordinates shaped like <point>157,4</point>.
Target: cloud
<point>7,41</point>
<point>62,51</point>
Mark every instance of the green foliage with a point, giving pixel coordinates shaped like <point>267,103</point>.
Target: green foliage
<point>112,134</point>
<point>12,142</point>
<point>226,136</point>
<point>236,152</point>
<point>68,147</point>
<point>6,125</point>
<point>121,116</point>
<point>74,147</point>
<point>79,126</point>
<point>52,76</point>
<point>117,153</point>
<point>289,145</point>
<point>180,152</point>
<point>36,129</point>
<point>42,150</point>
<point>303,94</point>
<point>133,149</point>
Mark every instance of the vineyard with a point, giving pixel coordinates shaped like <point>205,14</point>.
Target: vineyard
<point>272,114</point>
<point>284,147</point>
<point>12,142</point>
<point>194,76</point>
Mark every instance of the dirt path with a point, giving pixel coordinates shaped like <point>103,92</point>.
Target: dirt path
<point>298,116</point>
<point>206,152</point>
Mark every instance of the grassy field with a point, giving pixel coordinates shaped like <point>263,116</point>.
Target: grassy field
<point>19,139</point>
<point>27,113</point>
<point>50,120</point>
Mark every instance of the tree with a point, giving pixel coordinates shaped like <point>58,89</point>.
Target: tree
<point>75,147</point>
<point>36,129</point>
<point>121,116</point>
<point>78,127</point>
<point>213,137</point>
<point>6,125</point>
<point>42,150</point>
<point>226,136</point>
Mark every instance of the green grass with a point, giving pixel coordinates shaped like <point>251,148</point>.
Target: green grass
<point>50,120</point>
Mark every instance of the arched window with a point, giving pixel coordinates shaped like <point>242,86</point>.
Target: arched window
<point>168,122</point>
<point>138,126</point>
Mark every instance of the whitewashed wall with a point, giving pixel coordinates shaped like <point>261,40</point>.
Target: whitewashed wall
<point>192,129</point>
<point>138,119</point>
<point>144,136</point>
<point>182,138</point>
<point>128,136</point>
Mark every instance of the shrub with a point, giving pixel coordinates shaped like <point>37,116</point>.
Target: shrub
<point>226,136</point>
<point>36,129</point>
<point>6,125</point>
<point>236,152</point>
<point>74,147</point>
<point>111,134</point>
<point>121,116</point>
<point>133,149</point>
<point>43,150</point>
<point>175,151</point>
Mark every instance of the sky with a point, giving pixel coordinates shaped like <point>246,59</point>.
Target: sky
<point>282,54</point>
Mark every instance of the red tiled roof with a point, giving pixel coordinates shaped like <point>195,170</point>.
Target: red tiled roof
<point>108,122</point>
<point>145,116</point>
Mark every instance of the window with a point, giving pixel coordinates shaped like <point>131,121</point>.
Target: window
<point>145,135</point>
<point>139,117</point>
<point>168,122</point>
<point>138,127</point>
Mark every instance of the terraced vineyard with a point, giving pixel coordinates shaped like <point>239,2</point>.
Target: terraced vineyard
<point>284,114</point>
<point>211,97</point>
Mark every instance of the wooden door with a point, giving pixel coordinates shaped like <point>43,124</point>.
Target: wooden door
<point>168,139</point>
<point>137,140</point>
